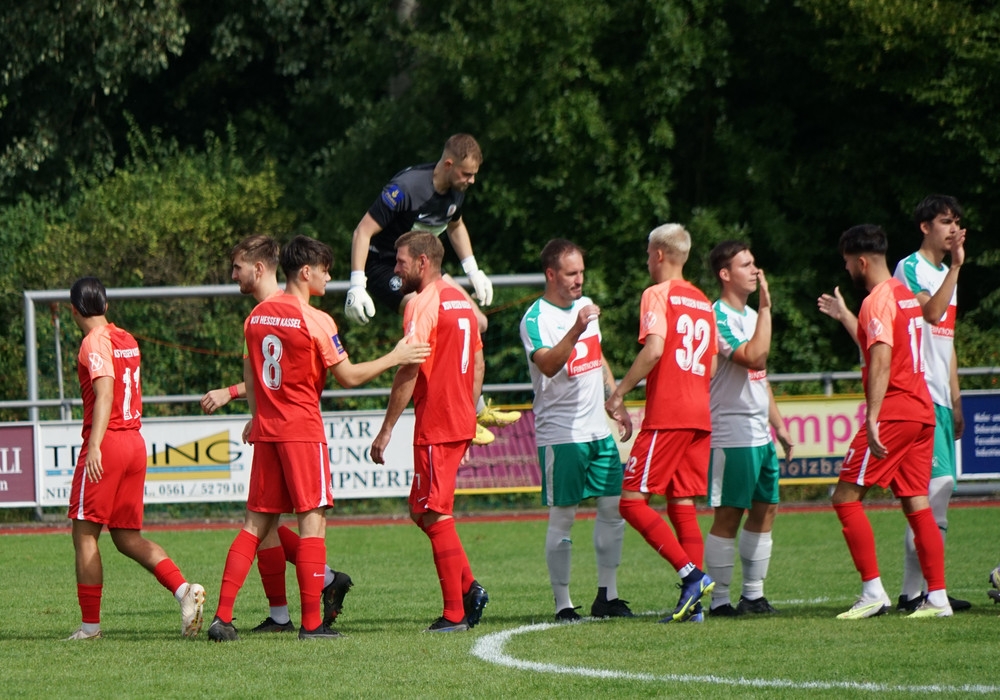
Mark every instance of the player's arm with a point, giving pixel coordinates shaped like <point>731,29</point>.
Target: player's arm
<point>215,399</point>
<point>248,388</point>
<point>880,360</point>
<point>958,420</point>
<point>644,362</point>
<point>935,305</point>
<point>622,417</point>
<point>479,373</point>
<point>104,395</point>
<point>835,308</point>
<point>399,398</point>
<point>753,353</point>
<point>349,375</point>
<point>359,306</point>
<point>778,423</point>
<point>551,360</point>
<point>459,237</point>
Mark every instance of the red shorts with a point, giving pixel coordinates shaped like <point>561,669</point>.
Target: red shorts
<point>115,500</point>
<point>671,463</point>
<point>434,470</point>
<point>907,469</point>
<point>289,477</point>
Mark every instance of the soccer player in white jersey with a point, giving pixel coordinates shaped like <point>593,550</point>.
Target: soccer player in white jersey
<point>936,287</point>
<point>743,472</point>
<point>571,380</point>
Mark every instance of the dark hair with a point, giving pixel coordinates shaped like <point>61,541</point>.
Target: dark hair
<point>462,146</point>
<point>935,204</point>
<point>555,249</point>
<point>423,243</point>
<point>302,251</point>
<point>258,248</point>
<point>723,254</point>
<point>89,297</point>
<point>863,238</point>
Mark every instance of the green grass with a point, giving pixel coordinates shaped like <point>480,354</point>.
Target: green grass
<point>396,594</point>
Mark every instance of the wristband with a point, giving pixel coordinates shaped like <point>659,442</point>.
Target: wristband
<point>469,264</point>
<point>234,392</point>
<point>358,279</point>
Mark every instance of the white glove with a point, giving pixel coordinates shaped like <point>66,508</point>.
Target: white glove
<point>483,288</point>
<point>359,307</point>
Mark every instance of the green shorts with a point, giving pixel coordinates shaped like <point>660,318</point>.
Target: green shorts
<point>575,471</point>
<point>944,443</point>
<point>739,475</point>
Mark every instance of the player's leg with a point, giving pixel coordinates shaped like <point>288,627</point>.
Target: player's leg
<point>755,541</point>
<point>271,558</point>
<point>728,494</point>
<point>562,489</point>
<point>89,578</point>
<point>604,482</point>
<point>336,584</point>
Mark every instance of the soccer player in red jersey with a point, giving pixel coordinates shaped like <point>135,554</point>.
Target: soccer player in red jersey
<point>671,453</point>
<point>110,473</point>
<point>895,446</point>
<point>255,269</point>
<point>290,346</point>
<point>444,391</point>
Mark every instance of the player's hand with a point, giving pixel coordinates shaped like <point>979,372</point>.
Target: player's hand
<point>590,312</point>
<point>957,249</point>
<point>765,292</point>
<point>379,445</point>
<point>786,443</point>
<point>832,306</point>
<point>875,445</point>
<point>624,421</point>
<point>411,353</point>
<point>93,466</point>
<point>957,419</point>
<point>482,287</point>
<point>246,432</point>
<point>359,306</point>
<point>615,408</point>
<point>214,400</point>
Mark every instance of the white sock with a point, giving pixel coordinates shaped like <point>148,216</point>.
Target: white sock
<point>938,599</point>
<point>755,556</point>
<point>181,591</point>
<point>559,553</point>
<point>609,534</point>
<point>90,628</point>
<point>719,555</point>
<point>872,590</point>
<point>327,576</point>
<point>280,614</point>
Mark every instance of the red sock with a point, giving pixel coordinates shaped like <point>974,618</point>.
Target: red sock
<point>449,560</point>
<point>238,563</point>
<point>90,602</point>
<point>309,568</point>
<point>860,538</point>
<point>930,547</point>
<point>271,565</point>
<point>684,518</point>
<point>290,543</point>
<point>655,530</point>
<point>169,576</point>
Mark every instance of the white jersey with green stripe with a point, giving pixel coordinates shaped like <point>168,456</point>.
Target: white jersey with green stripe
<point>569,406</point>
<point>740,401</point>
<point>921,275</point>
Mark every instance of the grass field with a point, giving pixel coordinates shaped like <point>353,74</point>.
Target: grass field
<point>514,652</point>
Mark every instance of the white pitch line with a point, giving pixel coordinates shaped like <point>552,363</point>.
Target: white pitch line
<point>490,648</point>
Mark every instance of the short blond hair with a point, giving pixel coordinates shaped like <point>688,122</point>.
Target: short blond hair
<point>673,240</point>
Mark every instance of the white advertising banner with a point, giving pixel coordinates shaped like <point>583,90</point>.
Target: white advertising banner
<point>204,458</point>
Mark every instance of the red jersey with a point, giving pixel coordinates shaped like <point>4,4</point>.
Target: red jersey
<point>890,314</point>
<point>677,388</point>
<point>442,316</point>
<point>290,345</point>
<point>108,351</point>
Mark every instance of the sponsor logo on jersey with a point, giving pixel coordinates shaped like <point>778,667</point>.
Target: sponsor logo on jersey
<point>586,356</point>
<point>126,352</point>
<point>451,210</point>
<point>688,302</point>
<point>757,375</point>
<point>337,345</point>
<point>96,361</point>
<point>392,196</point>
<point>908,303</point>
